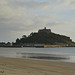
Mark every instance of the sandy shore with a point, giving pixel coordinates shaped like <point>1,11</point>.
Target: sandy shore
<point>10,66</point>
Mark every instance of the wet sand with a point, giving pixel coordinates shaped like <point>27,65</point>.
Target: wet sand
<point>15,66</point>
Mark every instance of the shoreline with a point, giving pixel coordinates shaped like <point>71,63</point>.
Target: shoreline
<point>18,66</point>
<point>44,46</point>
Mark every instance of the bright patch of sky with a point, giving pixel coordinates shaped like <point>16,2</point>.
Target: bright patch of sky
<point>21,17</point>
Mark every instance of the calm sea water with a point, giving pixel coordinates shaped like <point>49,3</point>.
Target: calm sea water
<point>26,52</point>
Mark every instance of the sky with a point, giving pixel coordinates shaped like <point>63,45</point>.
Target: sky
<point>21,17</point>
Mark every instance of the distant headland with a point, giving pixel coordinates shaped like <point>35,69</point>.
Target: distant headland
<point>42,38</point>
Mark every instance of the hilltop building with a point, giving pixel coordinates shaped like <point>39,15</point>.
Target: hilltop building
<point>44,30</point>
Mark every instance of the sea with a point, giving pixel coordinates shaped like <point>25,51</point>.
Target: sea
<point>66,54</point>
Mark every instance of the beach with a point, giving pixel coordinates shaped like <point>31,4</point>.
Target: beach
<point>18,66</point>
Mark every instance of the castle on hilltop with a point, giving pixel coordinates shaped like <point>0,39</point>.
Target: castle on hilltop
<point>44,30</point>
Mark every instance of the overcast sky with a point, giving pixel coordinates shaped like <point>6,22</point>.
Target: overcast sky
<point>21,17</point>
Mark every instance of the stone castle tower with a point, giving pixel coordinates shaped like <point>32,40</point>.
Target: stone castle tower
<point>44,30</point>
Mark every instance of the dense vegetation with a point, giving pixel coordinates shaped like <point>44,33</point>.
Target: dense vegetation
<point>44,38</point>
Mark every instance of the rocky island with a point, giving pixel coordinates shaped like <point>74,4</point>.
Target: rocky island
<point>44,38</point>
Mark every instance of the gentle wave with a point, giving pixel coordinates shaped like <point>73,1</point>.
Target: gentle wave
<point>42,56</point>
<point>62,53</point>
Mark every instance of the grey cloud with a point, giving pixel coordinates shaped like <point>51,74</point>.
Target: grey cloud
<point>60,23</point>
<point>17,17</point>
<point>73,5</point>
<point>32,4</point>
